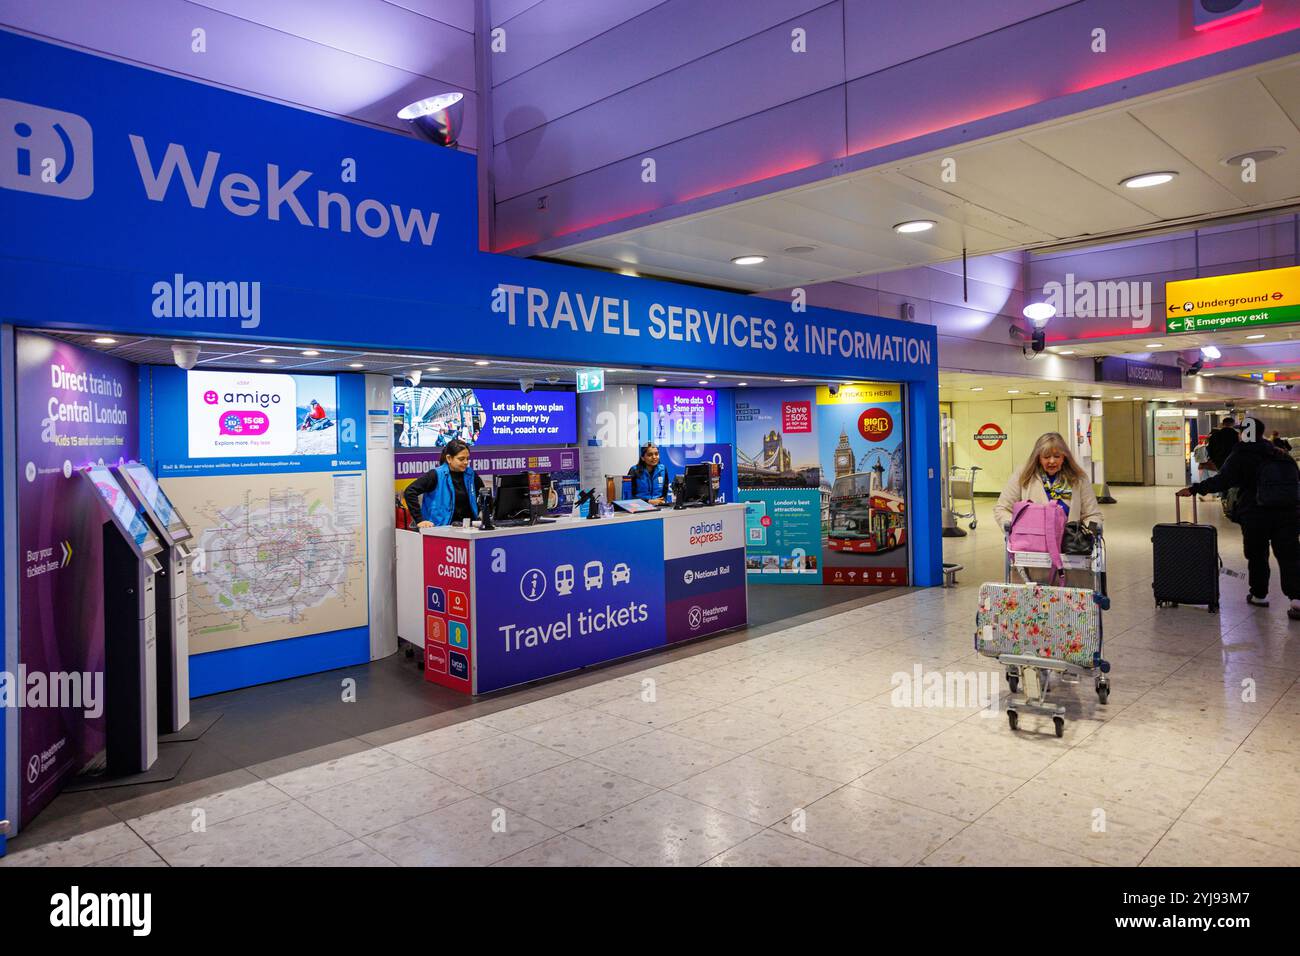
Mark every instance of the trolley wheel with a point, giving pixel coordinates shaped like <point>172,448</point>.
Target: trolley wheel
<point>1013,719</point>
<point>1013,682</point>
<point>1060,726</point>
<point>1103,693</point>
<point>972,524</point>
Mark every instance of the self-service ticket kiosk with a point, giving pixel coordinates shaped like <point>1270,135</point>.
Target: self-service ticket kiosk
<point>172,590</point>
<point>131,560</point>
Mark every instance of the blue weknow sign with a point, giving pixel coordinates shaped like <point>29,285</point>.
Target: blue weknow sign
<point>297,226</point>
<point>565,599</point>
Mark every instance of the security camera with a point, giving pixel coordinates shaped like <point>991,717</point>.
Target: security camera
<point>552,380</point>
<point>413,376</point>
<point>526,384</point>
<point>186,356</point>
<point>833,388</point>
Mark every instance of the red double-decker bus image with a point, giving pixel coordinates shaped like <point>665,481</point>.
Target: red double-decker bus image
<point>864,518</point>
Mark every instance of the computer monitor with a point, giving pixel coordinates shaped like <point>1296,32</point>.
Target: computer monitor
<point>511,501</point>
<point>699,484</point>
<point>156,504</point>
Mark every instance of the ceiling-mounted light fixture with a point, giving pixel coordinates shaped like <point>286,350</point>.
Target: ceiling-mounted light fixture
<point>1210,352</point>
<point>437,119</point>
<point>914,225</point>
<point>1146,180</point>
<point>1039,313</point>
<point>749,260</point>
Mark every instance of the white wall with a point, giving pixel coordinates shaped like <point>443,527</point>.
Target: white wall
<point>381,529</point>
<point>1022,420</point>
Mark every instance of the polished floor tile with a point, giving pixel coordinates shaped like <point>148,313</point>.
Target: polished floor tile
<point>754,789</point>
<point>473,832</point>
<point>664,829</point>
<point>660,759</point>
<point>570,794</point>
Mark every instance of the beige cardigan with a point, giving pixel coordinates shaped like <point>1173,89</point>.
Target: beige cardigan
<point>1083,503</point>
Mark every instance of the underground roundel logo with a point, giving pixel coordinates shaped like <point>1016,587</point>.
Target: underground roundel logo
<point>875,424</point>
<point>990,437</point>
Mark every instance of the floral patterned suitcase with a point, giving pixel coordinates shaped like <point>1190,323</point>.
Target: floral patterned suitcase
<point>1061,624</point>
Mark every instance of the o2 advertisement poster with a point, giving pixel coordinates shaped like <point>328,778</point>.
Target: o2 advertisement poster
<point>259,415</point>
<point>429,416</point>
<point>864,466</point>
<point>684,416</point>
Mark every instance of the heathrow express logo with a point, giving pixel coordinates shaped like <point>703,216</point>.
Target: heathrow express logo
<point>45,151</point>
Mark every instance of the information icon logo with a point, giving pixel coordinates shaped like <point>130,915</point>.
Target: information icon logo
<point>532,585</point>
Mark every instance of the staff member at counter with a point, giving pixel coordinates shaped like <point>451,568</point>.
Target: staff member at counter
<point>649,476</point>
<point>446,490</point>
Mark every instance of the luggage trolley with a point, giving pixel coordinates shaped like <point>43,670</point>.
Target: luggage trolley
<point>1030,675</point>
<point>961,484</point>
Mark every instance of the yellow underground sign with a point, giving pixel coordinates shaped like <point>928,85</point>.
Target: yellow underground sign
<point>1242,300</point>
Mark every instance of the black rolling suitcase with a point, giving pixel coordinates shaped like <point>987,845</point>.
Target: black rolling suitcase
<point>1186,561</point>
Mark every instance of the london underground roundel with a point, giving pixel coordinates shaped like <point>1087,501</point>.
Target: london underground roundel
<point>990,437</point>
<point>875,424</point>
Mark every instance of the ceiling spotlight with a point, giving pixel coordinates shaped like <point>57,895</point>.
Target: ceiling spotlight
<point>434,369</point>
<point>742,384</point>
<point>437,119</point>
<point>750,260</point>
<point>1210,352</point>
<point>1013,391</point>
<point>356,365</point>
<point>788,380</point>
<point>311,353</point>
<point>1066,352</point>
<point>267,361</point>
<point>710,376</point>
<point>1044,393</point>
<point>661,380</point>
<point>1155,345</point>
<point>978,388</point>
<point>915,225</point>
<point>1039,313</point>
<point>104,340</point>
<point>1145,180</point>
<point>1094,396</point>
<point>1257,335</point>
<point>1272,371</point>
<point>704,381</point>
<point>482,362</point>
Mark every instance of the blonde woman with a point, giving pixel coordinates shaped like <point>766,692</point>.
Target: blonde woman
<point>1050,475</point>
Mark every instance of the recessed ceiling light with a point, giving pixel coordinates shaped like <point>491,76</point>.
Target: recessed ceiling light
<point>915,225</point>
<point>789,380</point>
<point>311,353</point>
<point>356,365</point>
<point>1274,371</point>
<point>1138,399</point>
<point>1257,335</point>
<point>704,381</point>
<point>1144,180</point>
<point>1260,155</point>
<point>750,260</point>
<point>1155,345</point>
<point>1013,391</point>
<point>267,361</point>
<point>1066,352</point>
<point>978,388</point>
<point>1044,393</point>
<point>434,369</point>
<point>710,376</point>
<point>104,340</point>
<point>799,250</point>
<point>742,384</point>
<point>482,362</point>
<point>1117,397</point>
<point>661,380</point>
<point>1094,396</point>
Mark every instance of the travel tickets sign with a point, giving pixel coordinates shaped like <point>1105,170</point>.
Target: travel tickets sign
<point>1243,300</point>
<point>294,224</point>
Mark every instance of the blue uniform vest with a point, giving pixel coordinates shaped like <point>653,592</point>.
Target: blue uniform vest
<point>440,505</point>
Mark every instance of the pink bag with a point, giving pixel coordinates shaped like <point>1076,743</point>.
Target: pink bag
<point>1038,528</point>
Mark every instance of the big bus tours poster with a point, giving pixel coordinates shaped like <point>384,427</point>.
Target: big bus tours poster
<point>862,451</point>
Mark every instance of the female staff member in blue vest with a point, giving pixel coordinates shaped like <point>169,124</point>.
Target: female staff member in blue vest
<point>450,491</point>
<point>649,476</point>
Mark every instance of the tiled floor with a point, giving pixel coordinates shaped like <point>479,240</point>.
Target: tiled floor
<point>786,749</point>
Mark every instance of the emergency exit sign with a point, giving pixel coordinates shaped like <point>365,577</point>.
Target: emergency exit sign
<point>1239,301</point>
<point>591,380</point>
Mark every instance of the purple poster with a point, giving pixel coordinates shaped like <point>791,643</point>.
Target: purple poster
<point>74,407</point>
<point>684,416</point>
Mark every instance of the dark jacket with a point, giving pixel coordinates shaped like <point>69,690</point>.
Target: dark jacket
<point>1241,470</point>
<point>1221,443</point>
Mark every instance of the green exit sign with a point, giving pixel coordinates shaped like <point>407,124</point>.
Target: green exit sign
<point>591,380</point>
<point>1049,406</point>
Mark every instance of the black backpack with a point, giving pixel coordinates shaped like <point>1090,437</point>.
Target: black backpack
<point>1278,482</point>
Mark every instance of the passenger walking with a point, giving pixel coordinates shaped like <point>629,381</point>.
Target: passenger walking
<point>1050,475</point>
<point>1268,483</point>
<point>1222,440</point>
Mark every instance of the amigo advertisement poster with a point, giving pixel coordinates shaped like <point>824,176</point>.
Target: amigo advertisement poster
<point>258,415</point>
<point>863,459</point>
<point>75,407</point>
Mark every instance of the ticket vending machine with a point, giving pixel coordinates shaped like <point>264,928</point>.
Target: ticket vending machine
<point>172,592</point>
<point>132,558</point>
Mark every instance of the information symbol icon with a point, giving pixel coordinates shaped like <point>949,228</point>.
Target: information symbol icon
<point>532,585</point>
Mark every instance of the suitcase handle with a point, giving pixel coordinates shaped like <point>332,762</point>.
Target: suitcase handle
<point>1178,508</point>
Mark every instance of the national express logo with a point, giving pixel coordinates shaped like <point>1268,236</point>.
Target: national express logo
<point>706,532</point>
<point>45,151</point>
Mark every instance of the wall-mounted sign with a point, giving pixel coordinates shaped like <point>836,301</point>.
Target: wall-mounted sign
<point>1145,374</point>
<point>1238,301</point>
<point>990,437</point>
<point>591,380</point>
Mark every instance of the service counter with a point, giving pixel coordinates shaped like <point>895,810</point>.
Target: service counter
<point>493,609</point>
